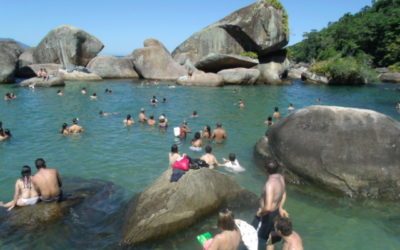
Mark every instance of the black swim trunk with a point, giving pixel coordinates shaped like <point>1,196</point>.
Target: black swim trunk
<point>267,226</point>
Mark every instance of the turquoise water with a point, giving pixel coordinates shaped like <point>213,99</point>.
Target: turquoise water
<point>132,158</point>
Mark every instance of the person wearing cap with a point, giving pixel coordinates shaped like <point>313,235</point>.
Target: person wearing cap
<point>162,122</point>
<point>142,115</point>
<point>75,128</point>
<point>219,134</point>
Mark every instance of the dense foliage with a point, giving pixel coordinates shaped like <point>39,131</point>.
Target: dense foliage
<point>372,34</point>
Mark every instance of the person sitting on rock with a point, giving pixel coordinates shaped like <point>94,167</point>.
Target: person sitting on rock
<point>230,237</point>
<point>128,121</point>
<point>173,155</point>
<point>40,73</point>
<point>291,239</point>
<point>25,191</point>
<point>209,158</point>
<point>45,75</point>
<point>48,182</point>
<point>75,128</point>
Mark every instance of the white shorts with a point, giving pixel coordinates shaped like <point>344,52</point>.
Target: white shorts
<point>29,201</point>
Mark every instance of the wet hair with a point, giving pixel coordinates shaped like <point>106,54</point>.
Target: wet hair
<point>194,112</point>
<point>128,117</point>
<point>226,220</point>
<point>75,121</point>
<point>7,132</point>
<point>272,167</point>
<point>290,104</point>
<point>94,94</point>
<point>197,135</point>
<point>208,149</point>
<point>208,129</point>
<point>40,163</point>
<point>174,148</point>
<point>276,109</point>
<point>101,112</point>
<point>26,173</point>
<point>106,91</point>
<point>152,117</point>
<point>269,118</point>
<point>63,127</point>
<point>219,125</point>
<point>284,225</point>
<point>232,157</point>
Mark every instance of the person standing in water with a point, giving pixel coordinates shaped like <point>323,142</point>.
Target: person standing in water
<point>241,104</point>
<point>48,182</point>
<point>64,129</point>
<point>291,239</point>
<point>276,115</point>
<point>209,158</point>
<point>75,128</point>
<point>142,115</point>
<point>128,121</point>
<point>25,191</point>
<point>219,134</point>
<point>230,237</point>
<point>271,205</point>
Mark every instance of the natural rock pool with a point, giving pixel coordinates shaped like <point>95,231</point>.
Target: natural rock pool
<point>132,158</point>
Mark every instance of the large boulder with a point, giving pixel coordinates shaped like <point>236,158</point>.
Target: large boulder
<point>32,69</point>
<point>155,62</point>
<point>310,77</point>
<point>165,208</point>
<point>390,77</point>
<point>78,75</point>
<point>10,50</point>
<point>26,59</point>
<point>40,82</point>
<point>273,68</point>
<point>295,71</point>
<point>259,27</point>
<point>354,151</point>
<point>239,76</point>
<point>67,45</point>
<point>200,78</point>
<point>113,67</point>
<point>217,62</point>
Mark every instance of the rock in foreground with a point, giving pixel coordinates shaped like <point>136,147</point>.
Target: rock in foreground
<point>354,151</point>
<point>165,208</point>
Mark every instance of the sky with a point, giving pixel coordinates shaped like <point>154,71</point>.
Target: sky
<point>123,25</point>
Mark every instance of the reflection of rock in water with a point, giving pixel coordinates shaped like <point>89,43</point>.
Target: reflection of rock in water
<point>90,208</point>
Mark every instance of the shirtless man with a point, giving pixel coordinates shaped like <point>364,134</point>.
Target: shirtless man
<point>271,205</point>
<point>219,134</point>
<point>276,115</point>
<point>142,116</point>
<point>75,128</point>
<point>151,121</point>
<point>209,158</point>
<point>291,239</point>
<point>128,121</point>
<point>47,181</point>
<point>229,238</point>
<point>174,155</point>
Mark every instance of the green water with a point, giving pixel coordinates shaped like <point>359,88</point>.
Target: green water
<point>132,158</point>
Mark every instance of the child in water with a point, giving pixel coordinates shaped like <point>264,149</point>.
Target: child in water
<point>232,164</point>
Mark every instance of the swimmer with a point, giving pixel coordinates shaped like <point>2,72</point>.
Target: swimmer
<point>291,108</point>
<point>276,115</point>
<point>219,134</point>
<point>230,237</point>
<point>60,93</point>
<point>209,158</point>
<point>162,122</point>
<point>64,129</point>
<point>4,134</point>
<point>164,100</point>
<point>151,121</point>
<point>269,121</point>
<point>83,91</point>
<point>26,193</point>
<point>93,96</point>
<point>232,164</point>
<point>128,121</point>
<point>194,114</point>
<point>241,104</point>
<point>184,130</point>
<point>206,133</point>
<point>142,115</point>
<point>75,128</point>
<point>197,143</point>
<point>291,239</point>
<point>153,101</point>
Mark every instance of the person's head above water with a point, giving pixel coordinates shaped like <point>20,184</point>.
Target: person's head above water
<point>208,149</point>
<point>219,125</point>
<point>26,171</point>
<point>284,226</point>
<point>64,126</point>
<point>226,220</point>
<point>40,163</point>
<point>197,136</point>
<point>272,167</point>
<point>174,148</point>
<point>75,121</point>
<point>276,109</point>
<point>128,117</point>
<point>232,157</point>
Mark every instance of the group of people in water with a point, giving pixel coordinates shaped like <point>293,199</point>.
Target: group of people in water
<point>44,186</point>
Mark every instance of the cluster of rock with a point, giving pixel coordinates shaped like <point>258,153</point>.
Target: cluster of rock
<point>353,151</point>
<point>385,75</point>
<point>210,57</point>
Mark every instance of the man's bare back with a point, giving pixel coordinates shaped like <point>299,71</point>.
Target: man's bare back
<point>227,240</point>
<point>48,182</point>
<point>74,129</point>
<point>293,242</point>
<point>273,194</point>
<point>210,160</point>
<point>219,135</point>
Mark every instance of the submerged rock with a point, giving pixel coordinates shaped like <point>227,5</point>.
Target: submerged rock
<point>155,62</point>
<point>40,82</point>
<point>165,208</point>
<point>239,76</point>
<point>199,78</point>
<point>353,151</point>
<point>67,45</point>
<point>10,50</point>
<point>111,67</point>
<point>217,62</point>
<point>258,27</point>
